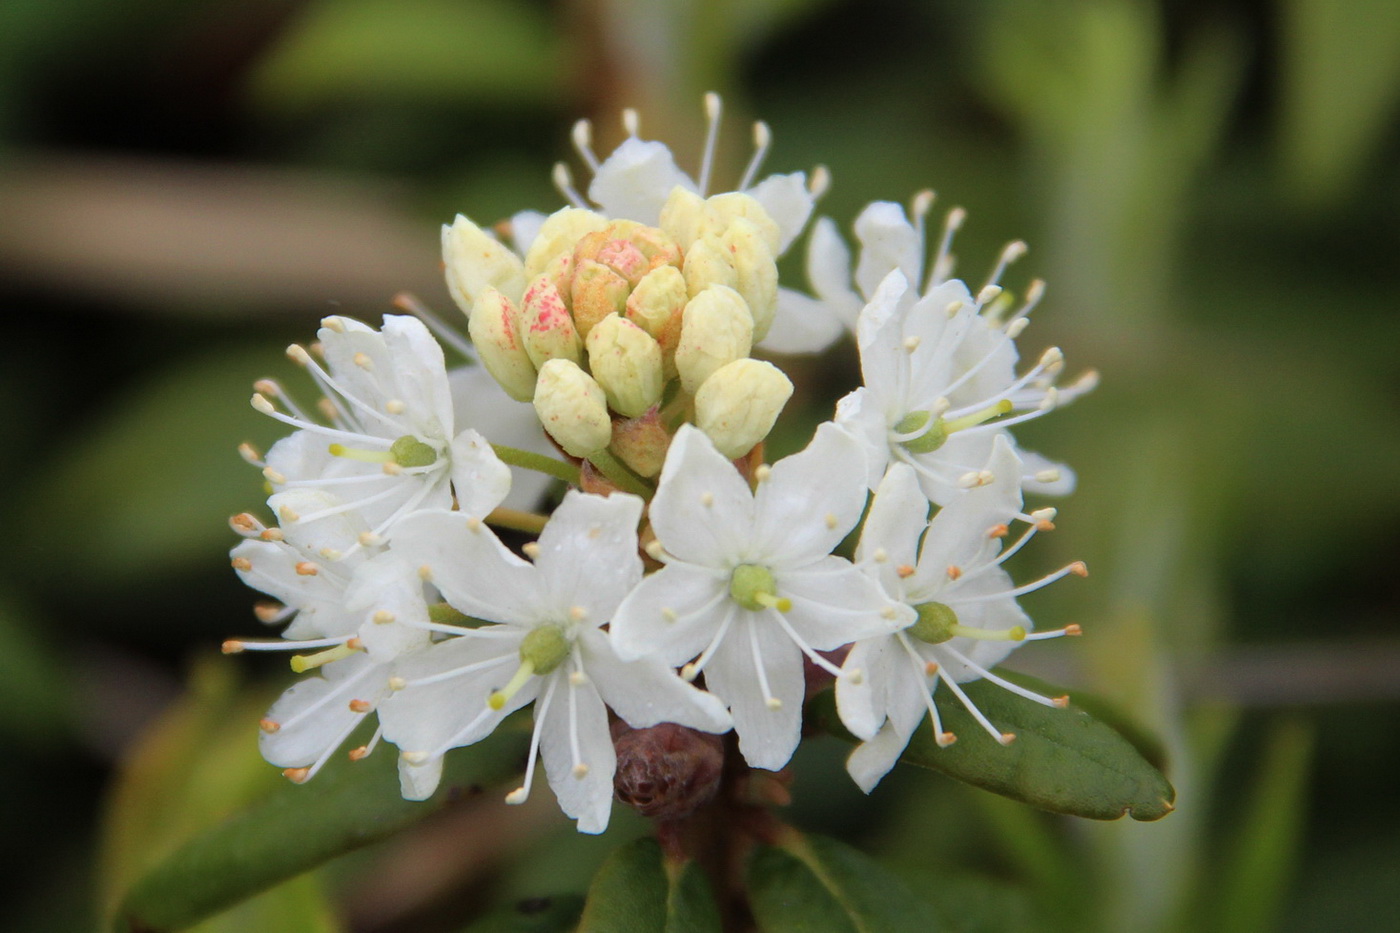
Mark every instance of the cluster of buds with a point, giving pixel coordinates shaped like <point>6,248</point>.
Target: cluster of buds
<point>618,331</point>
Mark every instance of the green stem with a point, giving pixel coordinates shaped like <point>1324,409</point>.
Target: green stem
<point>617,473</point>
<point>516,520</point>
<point>538,462</point>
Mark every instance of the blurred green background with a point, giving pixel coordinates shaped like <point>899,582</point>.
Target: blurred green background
<point>1210,189</point>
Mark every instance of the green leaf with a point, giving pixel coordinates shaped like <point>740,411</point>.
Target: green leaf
<point>296,828</point>
<point>811,884</point>
<point>1062,760</point>
<point>557,914</point>
<point>639,889</point>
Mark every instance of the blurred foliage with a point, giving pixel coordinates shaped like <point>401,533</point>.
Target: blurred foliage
<point>1210,190</point>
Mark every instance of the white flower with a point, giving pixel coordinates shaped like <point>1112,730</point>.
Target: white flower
<point>547,647</point>
<point>949,572</point>
<point>392,444</point>
<point>749,585</point>
<point>355,616</point>
<point>940,385</point>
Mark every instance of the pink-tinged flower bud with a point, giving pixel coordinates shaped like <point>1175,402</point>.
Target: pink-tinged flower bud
<point>473,260</point>
<point>626,362</point>
<point>659,249</point>
<point>756,270</point>
<point>625,259</point>
<point>597,291</point>
<point>666,772</point>
<point>572,408</point>
<point>494,327</point>
<point>559,234</point>
<point>641,443</point>
<point>708,263</point>
<point>658,296</point>
<point>683,216</point>
<point>716,330</point>
<point>546,325</point>
<point>738,404</point>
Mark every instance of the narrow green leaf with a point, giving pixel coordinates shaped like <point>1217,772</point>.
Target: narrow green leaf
<point>296,828</point>
<point>1062,760</point>
<point>558,914</point>
<point>1255,881</point>
<point>813,884</point>
<point>639,889</point>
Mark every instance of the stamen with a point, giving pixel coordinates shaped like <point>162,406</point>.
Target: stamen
<point>1009,254</point>
<point>564,181</point>
<point>819,183</point>
<point>943,261</point>
<point>363,456</point>
<point>522,793</point>
<point>239,645</point>
<point>631,123</point>
<point>458,671</point>
<point>1077,568</point>
<point>582,136</point>
<point>580,770</point>
<point>713,110</point>
<point>923,671</point>
<point>1005,738</point>
<point>250,454</point>
<point>1002,407</point>
<point>301,663</point>
<point>762,139</point>
<point>693,669</point>
<point>499,698</point>
<point>772,702</point>
<point>357,754</point>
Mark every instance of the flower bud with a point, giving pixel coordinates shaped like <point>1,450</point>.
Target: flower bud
<point>738,404</point>
<point>659,249</point>
<point>666,772</point>
<point>626,362</point>
<point>494,327</point>
<point>641,443</point>
<point>715,330</point>
<point>683,216</point>
<point>473,260</point>
<point>723,210</point>
<point>756,271</point>
<point>559,234</point>
<point>708,263</point>
<point>572,408</point>
<point>658,296</point>
<point>623,257</point>
<point>597,291</point>
<point>545,323</point>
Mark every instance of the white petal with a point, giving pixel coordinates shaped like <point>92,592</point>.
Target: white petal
<point>417,781</point>
<point>319,598</point>
<point>997,614</point>
<point>672,614</point>
<point>802,325</point>
<point>958,535</point>
<point>897,519</point>
<point>872,760</point>
<point>767,737</point>
<point>787,201</point>
<point>829,267</point>
<point>635,180</point>
<point>588,553</point>
<point>1033,463</point>
<point>859,415</point>
<point>861,700</point>
<point>322,707</point>
<point>475,572</point>
<point>588,798</point>
<point>524,227</point>
<point>479,478</point>
<point>648,691</point>
<point>888,242</point>
<point>389,584</point>
<point>338,532</point>
<point>703,510</point>
<point>834,604</point>
<point>480,403</point>
<point>417,377</point>
<point>884,360</point>
<point>809,501</point>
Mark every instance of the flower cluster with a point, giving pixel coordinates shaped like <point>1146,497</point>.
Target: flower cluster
<point>677,558</point>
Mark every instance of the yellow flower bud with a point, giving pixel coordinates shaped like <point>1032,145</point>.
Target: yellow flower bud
<point>596,292</point>
<point>715,330</point>
<point>658,296</point>
<point>723,209</point>
<point>707,263</point>
<point>474,260</point>
<point>494,327</point>
<point>738,404</point>
<point>546,326</point>
<point>683,216</point>
<point>626,362</point>
<point>756,271</point>
<point>560,233</point>
<point>572,408</point>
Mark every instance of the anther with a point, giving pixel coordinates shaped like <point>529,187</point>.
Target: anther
<point>881,556</point>
<point>904,571</point>
<point>231,646</point>
<point>307,569</point>
<point>241,563</point>
<point>330,554</point>
<point>267,613</point>
<point>360,706</point>
<point>1079,569</point>
<point>297,354</point>
<point>911,343</point>
<point>707,499</point>
<point>269,725</point>
<point>356,754</point>
<point>517,796</point>
<point>968,480</point>
<point>383,617</point>
<point>1074,628</point>
<point>363,361</point>
<point>273,476</point>
<point>1044,515</point>
<point>1006,738</point>
<point>954,571</point>
<point>333,323</point>
<point>250,454</point>
<point>922,203</point>
<point>1014,329</point>
<point>762,472</point>
<point>931,668</point>
<point>955,219</point>
<point>261,403</point>
<point>582,136</point>
<point>578,678</point>
<point>1048,476</point>
<point>297,775</point>
<point>577,613</point>
<point>1052,356</point>
<point>1061,702</point>
<point>425,573</point>
<point>243,523</point>
<point>288,515</point>
<point>1014,251</point>
<point>944,739</point>
<point>414,758</point>
<point>580,771</point>
<point>669,614</point>
<point>998,531</point>
<point>397,683</point>
<point>531,549</point>
<point>631,123</point>
<point>830,521</point>
<point>395,406</point>
<point>474,524</point>
<point>327,409</point>
<point>889,613</point>
<point>369,539</point>
<point>820,182</point>
<point>690,672</point>
<point>272,534</point>
<point>773,703</point>
<point>953,308</point>
<point>655,550</point>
